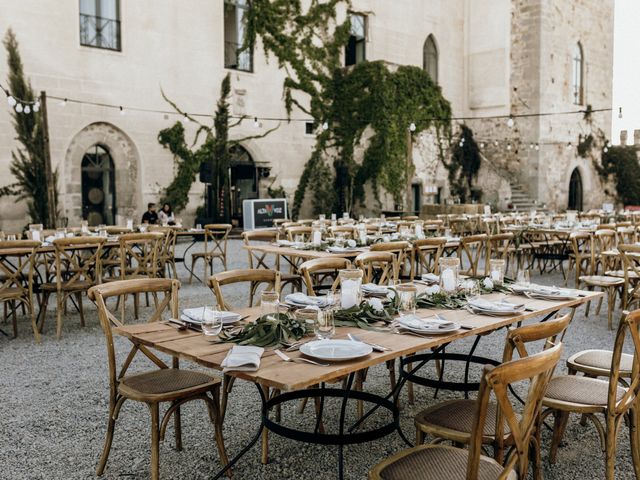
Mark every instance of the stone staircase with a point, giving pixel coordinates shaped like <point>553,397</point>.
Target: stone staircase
<point>520,198</point>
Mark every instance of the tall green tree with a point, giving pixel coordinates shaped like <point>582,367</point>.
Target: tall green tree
<point>215,149</point>
<point>27,161</point>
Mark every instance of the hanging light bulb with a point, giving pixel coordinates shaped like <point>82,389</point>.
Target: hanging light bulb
<point>569,146</point>
<point>537,147</point>
<point>608,144</point>
<point>509,146</point>
<point>495,143</point>
<point>185,119</point>
<point>256,124</point>
<point>461,144</point>
<point>27,109</point>
<point>605,149</point>
<point>63,103</point>
<point>122,112</point>
<point>510,122</point>
<point>36,107</point>
<point>412,127</point>
<point>19,108</point>
<point>325,126</point>
<point>481,144</point>
<point>11,101</point>
<point>531,145</point>
<point>620,112</point>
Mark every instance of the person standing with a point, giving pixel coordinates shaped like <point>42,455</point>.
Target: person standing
<point>150,216</point>
<point>165,215</point>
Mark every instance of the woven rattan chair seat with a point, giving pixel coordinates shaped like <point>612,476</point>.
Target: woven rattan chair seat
<point>600,360</point>
<point>165,381</point>
<point>439,463</point>
<point>581,390</point>
<point>620,274</point>
<point>458,415</point>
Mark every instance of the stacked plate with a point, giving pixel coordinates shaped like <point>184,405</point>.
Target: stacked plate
<point>551,293</point>
<point>430,278</point>
<point>300,300</point>
<point>427,326</point>
<point>373,290</point>
<point>485,307</point>
<point>335,350</point>
<point>195,315</point>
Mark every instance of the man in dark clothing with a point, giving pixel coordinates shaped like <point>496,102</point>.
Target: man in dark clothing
<point>150,216</point>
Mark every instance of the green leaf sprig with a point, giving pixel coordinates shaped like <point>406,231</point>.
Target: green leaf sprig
<point>267,331</point>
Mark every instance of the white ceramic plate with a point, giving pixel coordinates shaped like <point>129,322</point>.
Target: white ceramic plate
<point>431,326</point>
<point>228,318</point>
<point>335,350</point>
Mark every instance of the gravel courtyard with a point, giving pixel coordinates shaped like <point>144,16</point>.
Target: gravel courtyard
<point>54,398</point>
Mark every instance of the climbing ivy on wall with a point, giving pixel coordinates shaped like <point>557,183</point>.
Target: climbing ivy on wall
<point>620,163</point>
<point>215,149</point>
<point>464,166</point>
<point>368,105</point>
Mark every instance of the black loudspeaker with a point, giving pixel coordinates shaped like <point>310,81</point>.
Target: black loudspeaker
<point>206,172</point>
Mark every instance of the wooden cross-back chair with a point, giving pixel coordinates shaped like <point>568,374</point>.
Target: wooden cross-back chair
<point>166,257</point>
<point>346,231</point>
<point>253,276</point>
<point>592,396</point>
<point>435,462</point>
<point>399,250</point>
<point>627,235</point>
<point>491,225</point>
<point>17,263</point>
<point>472,248</point>
<point>139,254</point>
<point>303,232</point>
<point>451,420</point>
<point>215,246</point>
<point>316,272</point>
<point>584,252</point>
<point>630,273</point>
<point>377,267</point>
<point>500,247</point>
<point>77,268</point>
<point>605,241</point>
<point>261,259</point>
<point>426,253</point>
<point>152,387</point>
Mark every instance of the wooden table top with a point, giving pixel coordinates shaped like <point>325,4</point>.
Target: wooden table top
<point>300,253</point>
<point>273,372</point>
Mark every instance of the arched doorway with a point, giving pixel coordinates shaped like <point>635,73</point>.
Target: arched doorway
<point>575,191</point>
<point>98,187</point>
<point>244,181</point>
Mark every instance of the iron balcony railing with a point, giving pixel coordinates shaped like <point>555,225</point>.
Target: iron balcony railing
<point>236,58</point>
<point>99,32</point>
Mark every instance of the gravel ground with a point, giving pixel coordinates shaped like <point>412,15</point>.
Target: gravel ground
<point>54,403</point>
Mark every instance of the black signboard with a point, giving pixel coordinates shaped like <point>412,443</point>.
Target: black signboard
<point>264,212</point>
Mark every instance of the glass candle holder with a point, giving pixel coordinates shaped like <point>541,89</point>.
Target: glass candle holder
<point>496,271</point>
<point>322,217</point>
<point>316,235</point>
<point>407,294</point>
<point>449,268</point>
<point>350,283</point>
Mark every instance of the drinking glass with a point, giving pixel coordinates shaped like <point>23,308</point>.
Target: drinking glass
<point>143,227</point>
<point>523,277</point>
<point>324,327</point>
<point>496,269</point>
<point>211,321</point>
<point>11,238</point>
<point>322,217</point>
<point>298,239</point>
<point>268,303</point>
<point>350,283</point>
<point>84,226</point>
<point>406,299</point>
<point>198,226</point>
<point>448,268</point>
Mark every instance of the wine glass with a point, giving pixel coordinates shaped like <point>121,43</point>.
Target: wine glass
<point>211,321</point>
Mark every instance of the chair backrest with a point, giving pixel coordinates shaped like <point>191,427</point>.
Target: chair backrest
<point>114,230</point>
<point>78,259</point>
<point>605,239</point>
<point>499,245</point>
<point>583,251</point>
<point>167,251</point>
<point>399,249</point>
<point>101,293</point>
<point>629,327</point>
<point>627,235</point>
<point>321,269</point>
<point>17,260</point>
<point>631,267</point>
<point>551,331</point>
<point>258,259</point>
<point>378,266</point>
<point>304,232</point>
<point>537,369</point>
<point>215,238</point>
<point>139,254</point>
<point>255,276</point>
<point>470,251</point>
<point>345,230</point>
<point>428,252</point>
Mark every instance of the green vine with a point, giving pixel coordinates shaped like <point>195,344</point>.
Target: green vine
<point>621,164</point>
<point>464,166</point>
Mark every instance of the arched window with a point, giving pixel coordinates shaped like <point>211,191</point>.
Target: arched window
<point>578,75</point>
<point>430,57</point>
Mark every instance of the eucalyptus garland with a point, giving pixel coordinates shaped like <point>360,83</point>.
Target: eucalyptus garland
<point>267,331</point>
<point>367,314</point>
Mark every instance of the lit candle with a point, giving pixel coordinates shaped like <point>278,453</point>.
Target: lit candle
<point>317,237</point>
<point>349,293</point>
<point>448,280</point>
<point>35,235</point>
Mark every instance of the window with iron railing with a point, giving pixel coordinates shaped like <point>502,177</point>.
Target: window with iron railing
<point>100,24</point>
<point>235,18</point>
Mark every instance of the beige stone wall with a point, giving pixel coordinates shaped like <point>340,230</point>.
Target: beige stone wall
<point>486,48</point>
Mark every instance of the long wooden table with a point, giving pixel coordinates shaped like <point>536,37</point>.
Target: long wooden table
<point>299,379</point>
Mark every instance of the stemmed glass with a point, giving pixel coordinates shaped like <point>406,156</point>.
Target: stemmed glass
<point>211,321</point>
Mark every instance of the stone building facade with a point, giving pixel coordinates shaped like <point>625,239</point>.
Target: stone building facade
<point>494,57</point>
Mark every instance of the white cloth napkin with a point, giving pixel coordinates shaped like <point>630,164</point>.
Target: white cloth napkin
<point>242,358</point>
<point>373,288</point>
<point>483,304</point>
<point>430,277</point>
<point>196,315</point>
<point>300,298</point>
